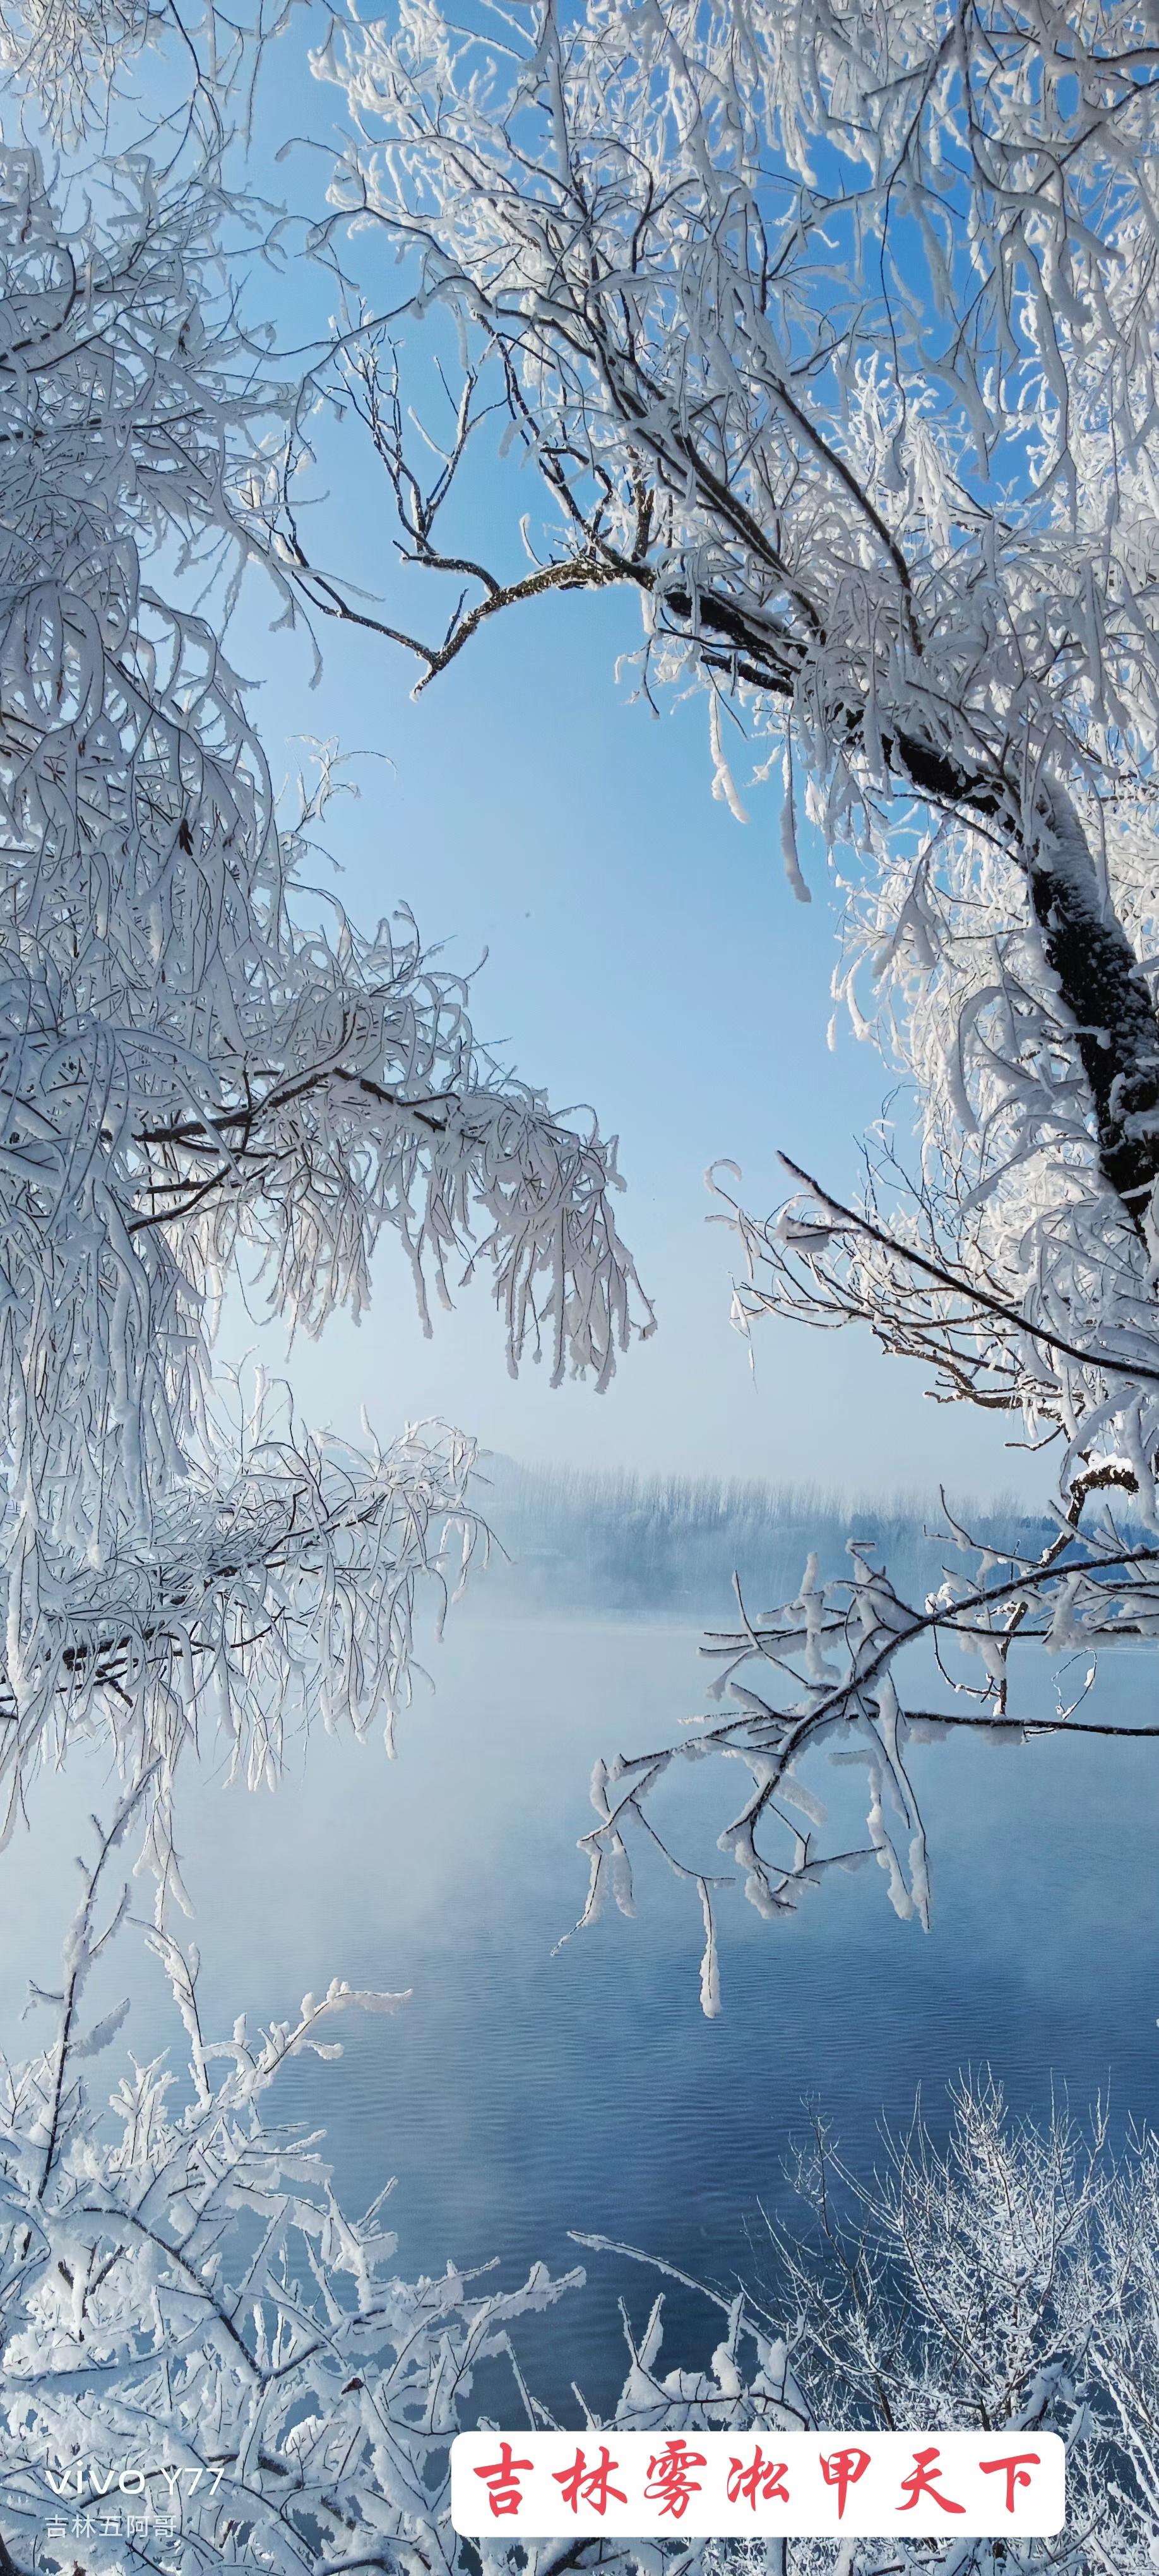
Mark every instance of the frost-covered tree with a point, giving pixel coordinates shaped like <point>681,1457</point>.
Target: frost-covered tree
<point>207,2363</point>
<point>203,1062</point>
<point>831,331</point>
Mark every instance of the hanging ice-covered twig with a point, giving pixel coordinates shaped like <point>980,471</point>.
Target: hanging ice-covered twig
<point>827,1672</point>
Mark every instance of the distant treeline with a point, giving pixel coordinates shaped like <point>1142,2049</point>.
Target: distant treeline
<point>616,1541</point>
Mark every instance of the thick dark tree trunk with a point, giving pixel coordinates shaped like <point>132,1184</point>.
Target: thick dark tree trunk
<point>1116,1029</point>
<point>1115,1025</point>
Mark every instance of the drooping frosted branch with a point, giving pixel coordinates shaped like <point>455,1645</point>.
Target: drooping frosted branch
<point>198,1061</point>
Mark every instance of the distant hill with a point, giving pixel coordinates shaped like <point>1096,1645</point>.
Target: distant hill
<point>618,1542</point>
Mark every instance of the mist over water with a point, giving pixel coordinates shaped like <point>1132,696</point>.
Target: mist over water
<point>581,1539</point>
<point>526,2089</point>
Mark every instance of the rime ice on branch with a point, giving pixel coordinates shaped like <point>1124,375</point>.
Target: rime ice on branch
<point>834,335</point>
<point>197,1062</point>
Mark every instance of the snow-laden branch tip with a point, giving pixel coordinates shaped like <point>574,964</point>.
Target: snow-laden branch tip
<point>856,1670</point>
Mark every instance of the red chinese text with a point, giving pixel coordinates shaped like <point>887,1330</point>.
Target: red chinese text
<point>672,2485</point>
<point>582,2485</point>
<point>920,2482</point>
<point>762,2477</point>
<point>502,2477</point>
<point>1018,2467</point>
<point>842,2470</point>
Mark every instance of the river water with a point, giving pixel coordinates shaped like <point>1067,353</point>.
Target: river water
<point>525,2090</point>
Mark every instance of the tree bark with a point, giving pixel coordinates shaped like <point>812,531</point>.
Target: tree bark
<point>1116,1030</point>
<point>1084,942</point>
<point>1107,997</point>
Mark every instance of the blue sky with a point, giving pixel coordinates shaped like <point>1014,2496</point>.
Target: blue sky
<point>646,955</point>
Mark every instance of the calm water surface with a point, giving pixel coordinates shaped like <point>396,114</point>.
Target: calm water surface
<point>526,2090</point>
